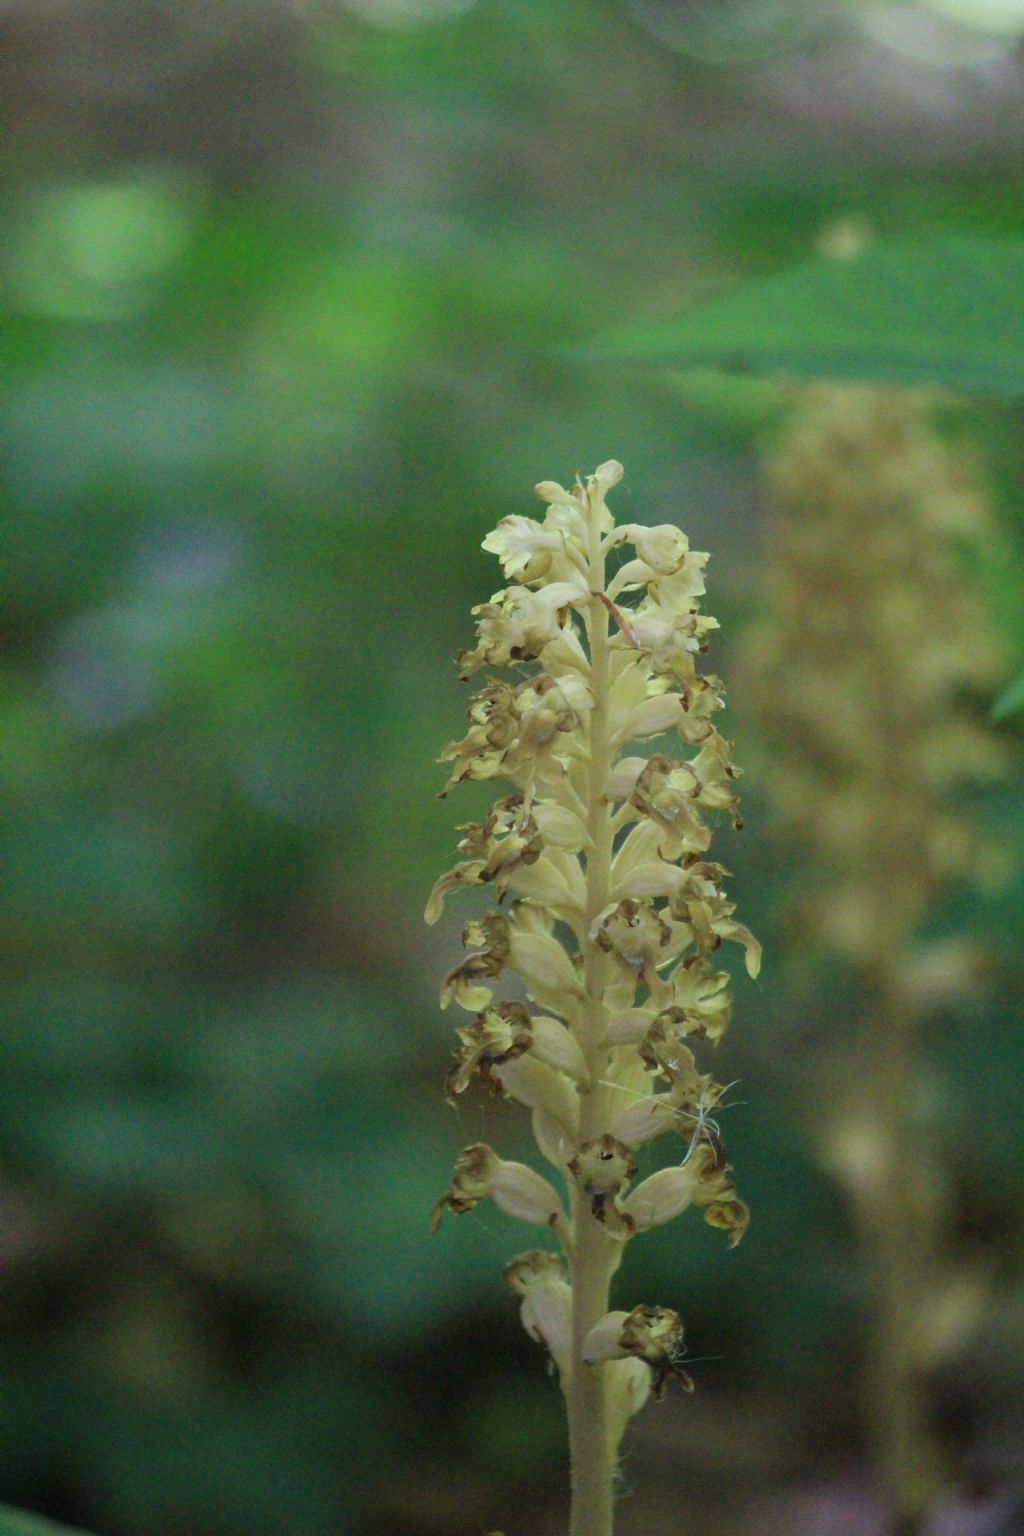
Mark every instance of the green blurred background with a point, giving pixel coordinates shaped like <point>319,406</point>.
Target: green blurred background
<point>290,294</point>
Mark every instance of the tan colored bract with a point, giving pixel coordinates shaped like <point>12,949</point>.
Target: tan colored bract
<point>607,846</point>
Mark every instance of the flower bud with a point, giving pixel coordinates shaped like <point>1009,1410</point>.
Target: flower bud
<point>538,1278</point>
<point>623,776</point>
<point>552,1138</point>
<point>648,1116</point>
<point>513,1187</point>
<point>555,1045</point>
<point>538,1086</point>
<point>604,1341</point>
<point>562,828</point>
<point>521,1193</point>
<point>550,977</point>
<point>630,1027</point>
<point>627,1388</point>
<point>663,547</point>
<point>605,476</point>
<point>657,714</point>
<point>556,495</point>
<point>662,1197</point>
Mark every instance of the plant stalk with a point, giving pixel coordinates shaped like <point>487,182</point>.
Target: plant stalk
<point>900,1230</point>
<point>899,1222</point>
<point>595,1255</point>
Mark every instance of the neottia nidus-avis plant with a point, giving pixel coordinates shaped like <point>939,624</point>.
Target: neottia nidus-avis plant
<point>873,665</point>
<point>610,912</point>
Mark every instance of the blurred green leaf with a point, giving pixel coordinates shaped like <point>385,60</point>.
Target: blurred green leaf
<point>18,1522</point>
<point>1010,701</point>
<point>96,251</point>
<point>946,312</point>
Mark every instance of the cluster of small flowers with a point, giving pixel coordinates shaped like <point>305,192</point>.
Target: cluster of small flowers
<point>872,644</point>
<point>873,641</point>
<point>611,909</point>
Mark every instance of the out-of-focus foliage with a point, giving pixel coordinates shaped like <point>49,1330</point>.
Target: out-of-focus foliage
<point>290,297</point>
<point>946,313</point>
<point>1010,701</point>
<point>17,1522</point>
